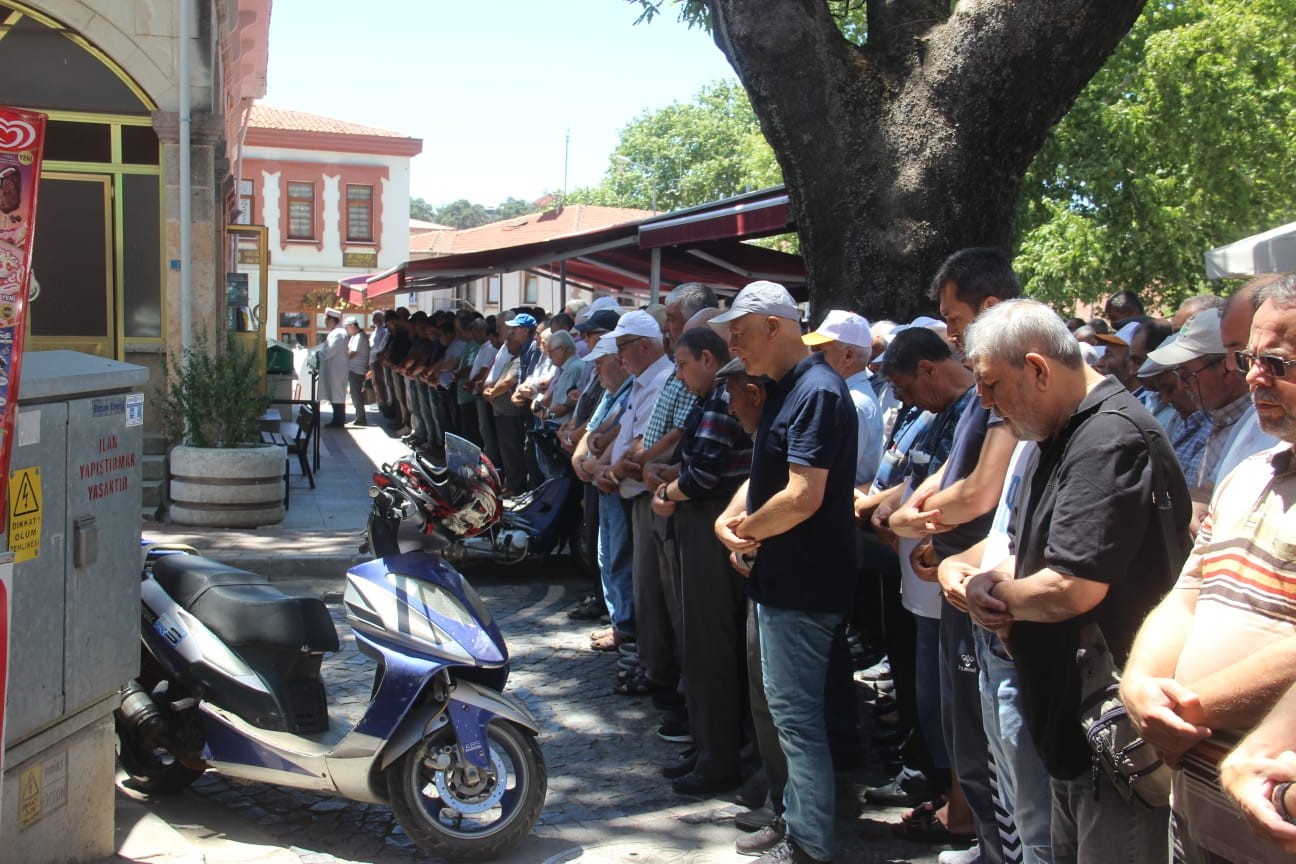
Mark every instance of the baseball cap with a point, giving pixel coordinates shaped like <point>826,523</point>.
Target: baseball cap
<point>603,319</point>
<point>762,298</point>
<point>1124,336</point>
<point>842,326</point>
<point>921,321</point>
<point>522,320</point>
<point>1199,337</point>
<point>604,347</point>
<point>1151,369</point>
<point>736,366</point>
<point>636,323</point>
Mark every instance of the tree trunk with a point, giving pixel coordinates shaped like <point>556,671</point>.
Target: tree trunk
<point>913,146</point>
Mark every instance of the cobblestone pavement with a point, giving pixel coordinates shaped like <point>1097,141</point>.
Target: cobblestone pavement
<point>606,798</point>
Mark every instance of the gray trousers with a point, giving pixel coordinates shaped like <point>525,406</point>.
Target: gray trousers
<point>712,610</point>
<point>1106,831</point>
<point>653,629</point>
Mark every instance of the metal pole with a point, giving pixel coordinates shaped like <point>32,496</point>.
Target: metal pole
<point>654,276</point>
<point>186,184</point>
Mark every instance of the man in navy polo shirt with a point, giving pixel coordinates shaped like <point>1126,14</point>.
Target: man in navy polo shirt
<point>790,529</point>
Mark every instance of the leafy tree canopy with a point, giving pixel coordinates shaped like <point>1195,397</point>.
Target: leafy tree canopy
<point>687,154</point>
<point>421,210</point>
<point>1182,142</point>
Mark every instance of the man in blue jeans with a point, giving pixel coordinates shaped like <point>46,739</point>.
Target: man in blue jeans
<point>790,530</point>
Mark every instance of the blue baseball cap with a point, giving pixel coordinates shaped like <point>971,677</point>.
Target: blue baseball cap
<point>522,320</point>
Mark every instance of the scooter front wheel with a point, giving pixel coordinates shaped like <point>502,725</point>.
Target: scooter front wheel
<point>445,809</point>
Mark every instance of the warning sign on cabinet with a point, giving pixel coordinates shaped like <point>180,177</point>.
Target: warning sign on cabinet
<point>25,513</point>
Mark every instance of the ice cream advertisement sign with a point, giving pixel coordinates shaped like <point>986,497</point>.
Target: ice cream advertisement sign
<point>22,138</point>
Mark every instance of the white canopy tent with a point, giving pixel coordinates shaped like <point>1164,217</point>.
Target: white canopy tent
<point>1274,251</point>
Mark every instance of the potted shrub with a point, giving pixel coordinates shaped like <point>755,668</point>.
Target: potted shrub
<point>221,473</point>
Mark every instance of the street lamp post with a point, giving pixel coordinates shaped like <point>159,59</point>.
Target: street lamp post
<point>652,183</point>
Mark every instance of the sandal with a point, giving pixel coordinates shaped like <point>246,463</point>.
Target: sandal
<point>636,684</point>
<point>921,824</point>
<point>610,642</point>
<point>589,609</point>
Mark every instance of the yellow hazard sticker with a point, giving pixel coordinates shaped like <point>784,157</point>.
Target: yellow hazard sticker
<point>25,513</point>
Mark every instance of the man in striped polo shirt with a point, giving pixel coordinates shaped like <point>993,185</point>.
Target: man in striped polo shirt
<point>1216,654</point>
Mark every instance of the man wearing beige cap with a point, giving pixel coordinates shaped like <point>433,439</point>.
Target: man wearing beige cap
<point>790,529</point>
<point>846,341</point>
<point>1197,354</point>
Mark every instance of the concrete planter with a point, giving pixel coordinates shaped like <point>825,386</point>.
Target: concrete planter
<point>239,487</point>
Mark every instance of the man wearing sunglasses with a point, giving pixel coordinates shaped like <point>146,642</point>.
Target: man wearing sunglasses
<point>1213,657</point>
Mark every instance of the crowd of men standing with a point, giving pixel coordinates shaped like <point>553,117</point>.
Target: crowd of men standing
<point>979,495</point>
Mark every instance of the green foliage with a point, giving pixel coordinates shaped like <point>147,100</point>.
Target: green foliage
<point>461,214</point>
<point>211,399</point>
<point>687,154</point>
<point>421,210</point>
<point>514,207</point>
<point>1182,142</point>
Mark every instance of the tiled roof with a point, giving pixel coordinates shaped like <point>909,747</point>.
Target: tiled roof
<point>575,219</point>
<point>266,117</point>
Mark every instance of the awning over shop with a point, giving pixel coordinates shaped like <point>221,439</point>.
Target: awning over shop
<point>1273,251</point>
<point>700,244</point>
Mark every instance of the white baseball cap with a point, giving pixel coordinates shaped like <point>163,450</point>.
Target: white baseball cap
<point>636,323</point>
<point>762,298</point>
<point>1123,336</point>
<point>604,347</point>
<point>840,325</point>
<point>1199,337</point>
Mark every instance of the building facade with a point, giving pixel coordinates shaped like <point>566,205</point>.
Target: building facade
<point>334,198</point>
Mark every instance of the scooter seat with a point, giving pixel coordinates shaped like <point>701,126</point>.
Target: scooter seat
<point>243,608</point>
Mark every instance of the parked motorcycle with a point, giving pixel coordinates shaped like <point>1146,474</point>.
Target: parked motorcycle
<point>230,680</point>
<point>534,524</point>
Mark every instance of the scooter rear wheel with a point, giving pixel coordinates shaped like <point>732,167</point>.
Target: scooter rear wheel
<point>444,813</point>
<point>151,771</point>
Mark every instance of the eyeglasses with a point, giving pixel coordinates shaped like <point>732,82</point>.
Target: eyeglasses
<point>621,346</point>
<point>1274,367</point>
<point>1185,375</point>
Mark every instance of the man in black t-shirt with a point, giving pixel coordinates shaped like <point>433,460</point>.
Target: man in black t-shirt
<point>1088,548</point>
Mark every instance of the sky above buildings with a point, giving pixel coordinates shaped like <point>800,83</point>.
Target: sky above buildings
<point>493,88</point>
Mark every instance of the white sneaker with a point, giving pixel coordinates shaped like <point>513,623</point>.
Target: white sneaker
<point>971,855</point>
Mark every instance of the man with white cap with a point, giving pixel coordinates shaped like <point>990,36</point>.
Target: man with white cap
<point>333,368</point>
<point>846,341</point>
<point>790,529</point>
<point>1197,354</point>
<point>639,344</point>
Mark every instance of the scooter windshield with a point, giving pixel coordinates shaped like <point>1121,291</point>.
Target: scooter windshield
<point>462,457</point>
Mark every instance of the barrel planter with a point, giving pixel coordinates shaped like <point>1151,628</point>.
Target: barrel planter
<point>235,487</point>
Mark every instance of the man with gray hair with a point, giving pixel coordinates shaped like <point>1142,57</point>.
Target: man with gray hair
<point>558,399</point>
<point>1090,547</point>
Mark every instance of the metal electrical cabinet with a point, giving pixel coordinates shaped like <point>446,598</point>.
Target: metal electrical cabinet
<point>74,529</point>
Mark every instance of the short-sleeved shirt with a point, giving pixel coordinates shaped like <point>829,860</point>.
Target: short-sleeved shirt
<point>808,419</point>
<point>868,444</point>
<point>568,378</point>
<point>964,455</point>
<point>1089,514</point>
<point>639,407</point>
<point>670,411</point>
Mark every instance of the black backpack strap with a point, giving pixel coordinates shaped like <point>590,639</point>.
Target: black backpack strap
<point>1175,541</point>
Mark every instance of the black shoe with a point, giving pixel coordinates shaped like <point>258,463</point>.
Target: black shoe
<point>685,765</point>
<point>900,793</point>
<point>763,839</point>
<point>696,784</point>
<point>754,820</point>
<point>676,733</point>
